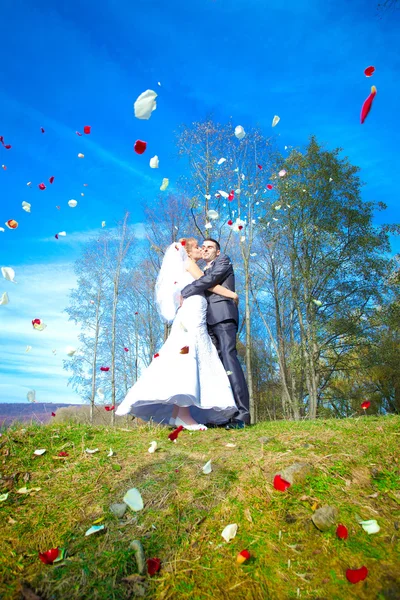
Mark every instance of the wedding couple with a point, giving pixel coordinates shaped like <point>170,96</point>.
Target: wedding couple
<point>195,378</point>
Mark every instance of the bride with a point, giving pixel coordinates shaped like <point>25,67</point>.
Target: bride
<point>186,383</point>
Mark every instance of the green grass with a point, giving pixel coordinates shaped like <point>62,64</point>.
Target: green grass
<point>186,511</point>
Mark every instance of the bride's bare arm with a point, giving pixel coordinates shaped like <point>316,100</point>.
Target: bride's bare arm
<point>194,270</point>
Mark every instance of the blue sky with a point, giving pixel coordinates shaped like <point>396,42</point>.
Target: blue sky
<point>66,65</point>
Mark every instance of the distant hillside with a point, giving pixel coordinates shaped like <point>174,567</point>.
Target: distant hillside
<point>38,411</point>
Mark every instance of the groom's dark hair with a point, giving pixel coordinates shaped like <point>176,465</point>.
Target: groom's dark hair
<point>215,242</point>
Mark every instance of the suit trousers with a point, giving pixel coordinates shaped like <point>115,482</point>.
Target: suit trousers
<point>223,336</point>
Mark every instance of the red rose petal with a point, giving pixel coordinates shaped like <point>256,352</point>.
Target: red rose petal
<point>230,222</point>
<point>49,556</point>
<point>136,313</point>
<point>369,71</point>
<point>153,565</point>
<point>184,350</point>
<point>280,484</point>
<point>86,129</point>
<point>231,195</point>
<point>356,575</point>
<point>8,146</point>
<point>342,532</point>
<point>140,146</point>
<point>156,355</point>
<point>53,414</point>
<point>259,166</point>
<point>183,243</point>
<point>42,130</point>
<point>41,186</point>
<point>366,405</point>
<point>36,322</point>
<point>108,408</point>
<point>56,236</point>
<point>63,454</point>
<point>366,107</point>
<point>51,179</point>
<point>105,369</point>
<point>174,434</point>
<point>269,186</point>
<point>12,224</point>
<point>126,349</point>
<point>245,554</point>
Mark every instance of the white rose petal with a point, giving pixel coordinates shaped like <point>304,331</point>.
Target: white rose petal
<point>239,132</point>
<point>70,350</point>
<point>4,299</point>
<point>165,184</point>
<point>31,396</point>
<point>133,499</point>
<point>229,532</point>
<point>8,273</point>
<point>207,468</point>
<point>221,161</point>
<point>72,204</point>
<point>103,223</point>
<point>26,206</point>
<point>212,214</point>
<point>152,448</point>
<point>275,120</point>
<point>91,451</point>
<point>154,162</point>
<point>145,104</point>
<point>100,393</point>
<point>40,451</point>
<point>208,226</point>
<point>370,526</point>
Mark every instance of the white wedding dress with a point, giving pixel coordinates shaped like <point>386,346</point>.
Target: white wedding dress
<point>196,379</point>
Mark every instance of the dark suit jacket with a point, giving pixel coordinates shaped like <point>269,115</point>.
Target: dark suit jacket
<point>219,308</point>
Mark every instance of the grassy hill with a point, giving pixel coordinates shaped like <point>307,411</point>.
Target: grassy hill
<point>353,467</point>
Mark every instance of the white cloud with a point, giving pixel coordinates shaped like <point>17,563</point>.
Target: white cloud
<point>41,292</point>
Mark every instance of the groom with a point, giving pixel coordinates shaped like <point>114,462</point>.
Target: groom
<point>222,321</point>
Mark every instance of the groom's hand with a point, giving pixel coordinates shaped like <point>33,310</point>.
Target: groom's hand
<point>180,300</point>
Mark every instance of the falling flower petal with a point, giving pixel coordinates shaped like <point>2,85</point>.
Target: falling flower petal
<point>208,226</point>
<point>370,526</point>
<point>342,532</point>
<point>239,132</point>
<point>126,349</point>
<point>154,162</point>
<point>156,355</point>
<point>38,325</point>
<point>103,223</point>
<point>40,451</point>
<point>86,129</point>
<point>223,194</point>
<point>4,299</point>
<point>153,566</point>
<point>109,408</point>
<point>316,302</point>
<point>2,229</point>
<point>133,499</point>
<point>366,107</point>
<point>356,575</point>
<point>145,104</point>
<point>70,350</point>
<point>51,179</point>
<point>365,404</point>
<point>31,396</point>
<point>278,207</point>
<point>229,532</point>
<point>164,185</point>
<point>243,556</point>
<point>207,468</point>
<point>12,224</point>
<point>41,186</point>
<point>280,484</point>
<point>152,448</point>
<point>26,206</point>
<point>49,556</point>
<point>140,146</point>
<point>72,203</point>
<point>269,186</point>
<point>42,130</point>
<point>174,434</point>
<point>275,120</point>
<point>100,393</point>
<point>221,161</point>
<point>104,369</point>
<point>80,155</point>
<point>212,214</point>
<point>94,529</point>
<point>62,233</point>
<point>260,167</point>
<point>28,348</point>
<point>184,350</point>
<point>369,71</point>
<point>53,414</point>
<point>230,222</point>
<point>91,451</point>
<point>282,173</point>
